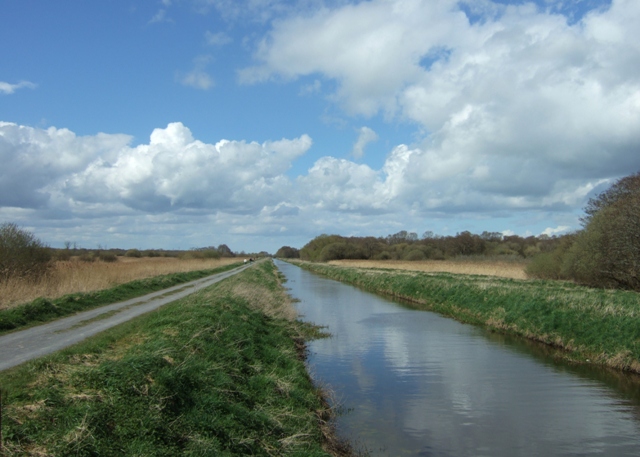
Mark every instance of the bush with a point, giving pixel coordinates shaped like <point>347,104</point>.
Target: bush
<point>415,254</point>
<point>133,253</point>
<point>22,254</point>
<point>107,257</point>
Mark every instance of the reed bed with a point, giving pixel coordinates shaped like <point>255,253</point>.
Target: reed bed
<point>73,276</point>
<point>500,268</point>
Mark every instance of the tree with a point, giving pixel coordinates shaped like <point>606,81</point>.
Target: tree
<point>21,253</point>
<point>607,252</point>
<point>287,252</point>
<point>225,251</point>
<point>621,190</point>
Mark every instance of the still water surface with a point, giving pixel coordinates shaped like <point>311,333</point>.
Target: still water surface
<point>417,384</point>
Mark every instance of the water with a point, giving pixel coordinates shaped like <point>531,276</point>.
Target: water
<point>417,384</point>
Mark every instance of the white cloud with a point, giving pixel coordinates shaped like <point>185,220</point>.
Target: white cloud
<point>54,169</point>
<point>521,109</point>
<point>159,17</point>
<point>217,39</point>
<point>366,136</point>
<point>198,77</point>
<point>7,88</point>
<point>556,231</point>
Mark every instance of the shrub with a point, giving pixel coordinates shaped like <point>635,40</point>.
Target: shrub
<point>22,254</point>
<point>107,257</point>
<point>414,254</point>
<point>133,253</point>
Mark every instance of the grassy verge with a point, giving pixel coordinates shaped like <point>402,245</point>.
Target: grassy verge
<point>591,325</point>
<point>217,373</point>
<point>45,310</point>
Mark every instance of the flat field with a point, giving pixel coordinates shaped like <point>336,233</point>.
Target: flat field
<point>75,276</point>
<point>501,268</point>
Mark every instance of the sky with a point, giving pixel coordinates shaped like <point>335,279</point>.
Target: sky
<point>173,124</point>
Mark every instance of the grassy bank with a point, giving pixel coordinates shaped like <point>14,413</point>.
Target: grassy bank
<point>217,373</point>
<point>44,310</point>
<point>590,325</point>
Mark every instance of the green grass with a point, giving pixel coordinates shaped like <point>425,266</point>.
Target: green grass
<point>211,374</point>
<point>44,310</point>
<point>590,325</point>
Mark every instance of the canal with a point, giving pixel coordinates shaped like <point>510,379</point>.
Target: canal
<point>413,383</point>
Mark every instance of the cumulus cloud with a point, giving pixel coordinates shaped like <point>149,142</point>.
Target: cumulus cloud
<point>522,108</point>
<point>7,88</point>
<point>55,168</point>
<point>366,136</point>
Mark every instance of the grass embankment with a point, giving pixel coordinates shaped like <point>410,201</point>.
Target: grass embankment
<point>44,309</point>
<point>217,373</point>
<point>591,325</point>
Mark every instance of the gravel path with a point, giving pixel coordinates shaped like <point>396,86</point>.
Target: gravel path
<point>21,346</point>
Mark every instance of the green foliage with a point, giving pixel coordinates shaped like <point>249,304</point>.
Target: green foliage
<point>133,253</point>
<point>552,264</point>
<point>21,254</point>
<point>287,252</point>
<point>207,375</point>
<point>606,253</point>
<point>406,246</point>
<point>106,256</point>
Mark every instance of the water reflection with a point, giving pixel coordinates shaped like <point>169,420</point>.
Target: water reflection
<point>416,383</point>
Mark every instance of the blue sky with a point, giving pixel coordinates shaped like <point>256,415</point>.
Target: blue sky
<point>263,123</point>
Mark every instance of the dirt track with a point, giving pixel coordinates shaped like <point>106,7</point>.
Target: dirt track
<point>24,345</point>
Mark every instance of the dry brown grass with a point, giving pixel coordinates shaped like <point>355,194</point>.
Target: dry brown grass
<point>76,276</point>
<point>503,269</point>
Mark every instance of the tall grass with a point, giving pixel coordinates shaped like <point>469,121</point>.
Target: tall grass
<point>515,269</point>
<point>591,325</point>
<point>217,373</point>
<point>75,276</point>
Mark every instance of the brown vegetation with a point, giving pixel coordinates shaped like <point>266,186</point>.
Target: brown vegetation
<point>73,275</point>
<point>504,269</point>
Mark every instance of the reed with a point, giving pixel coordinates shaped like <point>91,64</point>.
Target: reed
<point>76,276</point>
<point>514,269</point>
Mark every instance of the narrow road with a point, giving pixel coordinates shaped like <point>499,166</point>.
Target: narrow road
<point>24,345</point>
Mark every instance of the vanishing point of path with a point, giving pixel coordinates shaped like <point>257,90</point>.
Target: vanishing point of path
<point>21,346</point>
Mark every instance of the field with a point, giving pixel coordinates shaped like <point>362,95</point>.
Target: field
<point>501,268</point>
<point>74,276</point>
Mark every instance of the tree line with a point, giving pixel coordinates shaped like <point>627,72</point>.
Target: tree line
<point>604,253</point>
<point>409,246</point>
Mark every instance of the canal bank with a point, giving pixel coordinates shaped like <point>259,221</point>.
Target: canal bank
<point>220,372</point>
<point>591,326</point>
<point>411,382</point>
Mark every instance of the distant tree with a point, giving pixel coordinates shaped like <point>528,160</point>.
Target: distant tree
<point>287,252</point>
<point>21,253</point>
<point>225,251</point>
